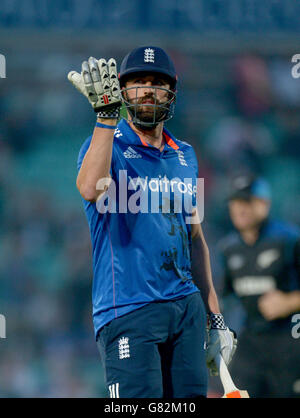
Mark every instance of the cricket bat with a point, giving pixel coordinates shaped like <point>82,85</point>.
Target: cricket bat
<point>231,391</point>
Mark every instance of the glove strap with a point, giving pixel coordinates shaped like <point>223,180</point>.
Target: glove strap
<point>217,321</point>
<point>109,114</point>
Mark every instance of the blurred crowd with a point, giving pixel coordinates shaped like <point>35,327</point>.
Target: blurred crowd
<point>45,290</point>
<point>240,113</point>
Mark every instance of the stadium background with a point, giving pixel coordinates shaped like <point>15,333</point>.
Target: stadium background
<point>238,104</point>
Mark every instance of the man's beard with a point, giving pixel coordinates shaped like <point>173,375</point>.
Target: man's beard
<point>149,113</point>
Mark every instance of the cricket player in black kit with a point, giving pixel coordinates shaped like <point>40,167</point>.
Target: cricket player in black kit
<point>262,268</point>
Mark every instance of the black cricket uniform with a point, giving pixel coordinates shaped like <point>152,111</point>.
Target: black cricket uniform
<point>267,360</point>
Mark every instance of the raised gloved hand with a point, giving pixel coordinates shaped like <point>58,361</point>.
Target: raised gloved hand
<point>220,340</point>
<point>99,82</point>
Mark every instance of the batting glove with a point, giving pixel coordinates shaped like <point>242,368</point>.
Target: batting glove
<point>99,82</point>
<point>221,340</point>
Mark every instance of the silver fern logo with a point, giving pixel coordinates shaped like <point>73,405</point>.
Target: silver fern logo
<point>149,55</point>
<point>124,350</point>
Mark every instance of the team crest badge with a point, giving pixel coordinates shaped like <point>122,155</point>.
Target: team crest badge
<point>149,55</point>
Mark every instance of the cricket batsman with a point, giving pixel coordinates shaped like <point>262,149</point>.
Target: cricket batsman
<point>151,303</point>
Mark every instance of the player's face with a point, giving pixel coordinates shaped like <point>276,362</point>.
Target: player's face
<point>147,94</point>
<point>247,214</point>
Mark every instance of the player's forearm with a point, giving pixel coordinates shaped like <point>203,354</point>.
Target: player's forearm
<point>294,301</point>
<point>202,276</point>
<point>97,161</point>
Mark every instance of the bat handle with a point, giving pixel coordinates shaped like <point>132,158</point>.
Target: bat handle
<point>225,377</point>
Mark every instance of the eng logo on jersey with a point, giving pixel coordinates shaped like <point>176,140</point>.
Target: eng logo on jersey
<point>118,133</point>
<point>149,55</point>
<point>124,349</point>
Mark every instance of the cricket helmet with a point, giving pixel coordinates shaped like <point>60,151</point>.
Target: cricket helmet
<point>144,60</point>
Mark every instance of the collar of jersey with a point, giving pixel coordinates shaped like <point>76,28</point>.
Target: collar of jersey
<point>133,138</point>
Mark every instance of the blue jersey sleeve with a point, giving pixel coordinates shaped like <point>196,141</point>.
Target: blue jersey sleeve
<point>189,153</point>
<point>192,157</point>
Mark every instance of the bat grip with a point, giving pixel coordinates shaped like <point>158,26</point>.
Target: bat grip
<point>225,377</point>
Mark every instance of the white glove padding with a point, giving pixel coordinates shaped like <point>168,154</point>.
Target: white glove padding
<point>220,341</point>
<point>98,82</point>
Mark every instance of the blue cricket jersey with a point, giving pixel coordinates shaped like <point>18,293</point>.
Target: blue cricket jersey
<point>141,238</point>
